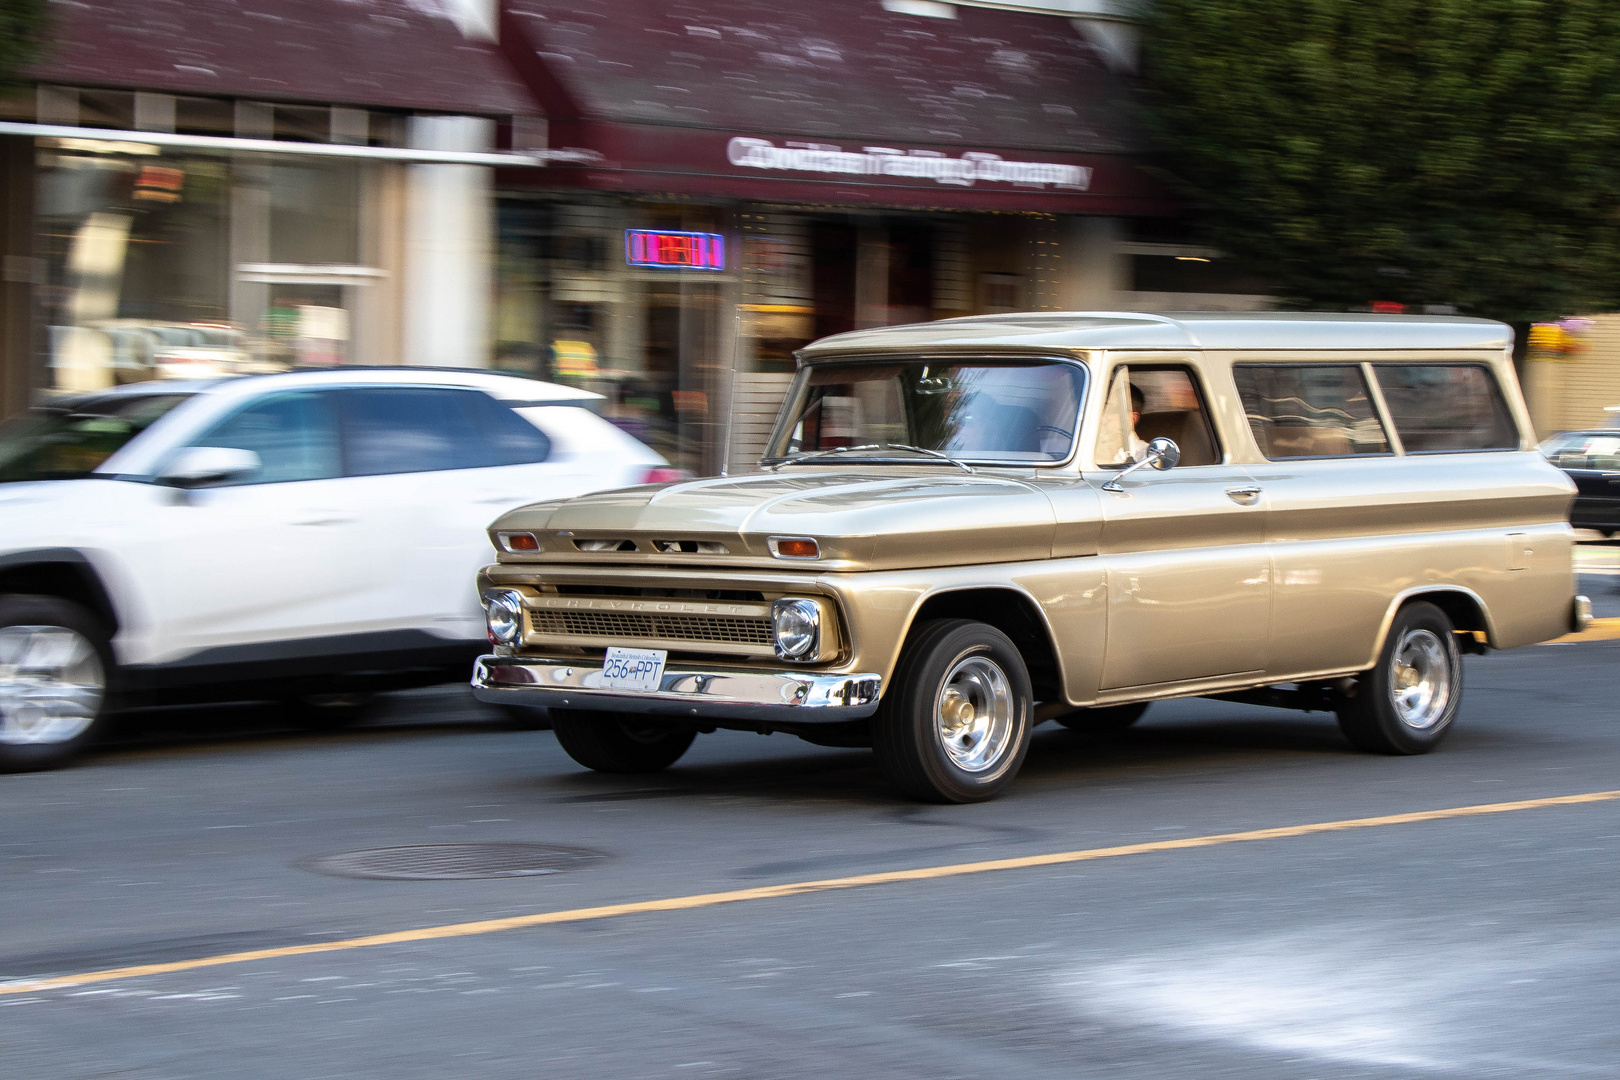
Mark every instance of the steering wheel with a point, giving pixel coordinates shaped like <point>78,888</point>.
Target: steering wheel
<point>1054,430</point>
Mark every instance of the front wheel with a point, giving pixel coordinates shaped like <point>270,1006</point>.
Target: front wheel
<point>955,725</point>
<point>619,742</point>
<point>1406,704</point>
<point>54,660</point>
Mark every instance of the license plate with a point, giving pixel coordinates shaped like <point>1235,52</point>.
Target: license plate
<point>633,669</point>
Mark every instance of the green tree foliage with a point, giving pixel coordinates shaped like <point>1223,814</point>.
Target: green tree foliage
<point>1459,152</point>
<point>22,26</point>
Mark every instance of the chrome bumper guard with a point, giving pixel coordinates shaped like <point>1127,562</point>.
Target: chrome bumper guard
<point>1580,616</point>
<point>787,696</point>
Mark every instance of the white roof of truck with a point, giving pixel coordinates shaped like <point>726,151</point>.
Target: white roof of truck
<point>1181,330</point>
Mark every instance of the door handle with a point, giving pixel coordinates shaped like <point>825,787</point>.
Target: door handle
<point>1245,495</point>
<point>328,519</point>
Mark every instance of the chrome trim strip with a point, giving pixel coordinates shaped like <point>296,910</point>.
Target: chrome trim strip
<point>277,146</point>
<point>792,696</point>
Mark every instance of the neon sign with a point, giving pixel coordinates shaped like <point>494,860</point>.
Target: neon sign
<point>689,250</point>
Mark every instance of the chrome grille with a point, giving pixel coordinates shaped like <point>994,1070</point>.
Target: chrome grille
<point>625,626</point>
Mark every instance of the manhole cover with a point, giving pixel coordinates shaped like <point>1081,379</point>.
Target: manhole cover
<point>453,862</point>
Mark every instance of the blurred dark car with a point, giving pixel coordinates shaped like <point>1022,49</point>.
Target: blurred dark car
<point>1592,460</point>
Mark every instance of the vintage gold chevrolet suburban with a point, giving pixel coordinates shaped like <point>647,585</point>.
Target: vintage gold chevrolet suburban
<point>968,527</point>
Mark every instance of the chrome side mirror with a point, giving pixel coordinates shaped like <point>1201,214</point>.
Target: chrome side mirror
<point>1161,453</point>
<point>207,466</point>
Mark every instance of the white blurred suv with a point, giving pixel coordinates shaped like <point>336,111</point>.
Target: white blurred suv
<point>296,536</point>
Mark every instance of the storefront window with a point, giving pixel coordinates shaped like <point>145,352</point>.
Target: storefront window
<point>163,264</point>
<point>572,309</point>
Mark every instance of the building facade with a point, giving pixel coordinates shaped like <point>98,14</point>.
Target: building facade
<point>660,202</point>
<point>860,163</point>
<point>202,188</point>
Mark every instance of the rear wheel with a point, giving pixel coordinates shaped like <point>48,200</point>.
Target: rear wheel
<point>954,726</point>
<point>1406,704</point>
<point>1107,720</point>
<point>613,742</point>
<point>54,662</point>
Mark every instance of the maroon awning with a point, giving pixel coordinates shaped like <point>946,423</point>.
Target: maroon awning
<point>377,53</point>
<point>831,102</point>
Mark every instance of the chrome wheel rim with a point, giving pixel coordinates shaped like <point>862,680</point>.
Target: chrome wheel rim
<point>51,684</point>
<point>1420,675</point>
<point>974,714</point>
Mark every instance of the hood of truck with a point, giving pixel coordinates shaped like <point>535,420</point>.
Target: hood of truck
<point>868,519</point>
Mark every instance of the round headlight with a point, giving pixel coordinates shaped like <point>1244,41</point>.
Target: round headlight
<point>504,613</point>
<point>798,628</point>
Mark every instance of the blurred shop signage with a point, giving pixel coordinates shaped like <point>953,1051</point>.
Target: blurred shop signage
<point>965,171</point>
<point>573,358</point>
<point>1561,340</point>
<point>688,250</point>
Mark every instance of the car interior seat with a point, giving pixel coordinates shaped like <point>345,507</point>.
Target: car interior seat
<point>1186,427</point>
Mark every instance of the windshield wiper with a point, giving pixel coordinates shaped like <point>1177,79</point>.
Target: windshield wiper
<point>796,458</point>
<point>964,466</point>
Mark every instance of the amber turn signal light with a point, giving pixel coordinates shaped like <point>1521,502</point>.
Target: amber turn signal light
<point>520,542</point>
<point>794,547</point>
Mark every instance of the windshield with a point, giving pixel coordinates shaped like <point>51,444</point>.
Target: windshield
<point>1584,449</point>
<point>1020,412</point>
<point>71,440</point>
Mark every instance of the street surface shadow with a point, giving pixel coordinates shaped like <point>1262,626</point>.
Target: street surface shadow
<point>1182,744</point>
<point>805,774</point>
<point>1056,755</point>
<point>426,711</point>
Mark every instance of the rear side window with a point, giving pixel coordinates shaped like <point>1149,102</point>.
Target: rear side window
<point>508,439</point>
<point>1446,407</point>
<point>1310,410</point>
<point>295,436</point>
<point>403,429</point>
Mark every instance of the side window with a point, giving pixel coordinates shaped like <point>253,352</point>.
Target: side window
<point>508,439</point>
<point>294,434</point>
<point>404,429</point>
<point>1441,407</point>
<point>1147,403</point>
<point>1309,410</point>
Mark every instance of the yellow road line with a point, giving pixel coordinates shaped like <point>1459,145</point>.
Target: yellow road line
<point>1598,630</point>
<point>799,888</point>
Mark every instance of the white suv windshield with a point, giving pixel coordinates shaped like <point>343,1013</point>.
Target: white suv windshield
<point>1014,412</point>
<point>71,440</point>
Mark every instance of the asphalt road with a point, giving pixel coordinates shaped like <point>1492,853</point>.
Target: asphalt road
<point>1476,946</point>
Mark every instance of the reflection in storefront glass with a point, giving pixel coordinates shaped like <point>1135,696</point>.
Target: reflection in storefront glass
<point>170,264</point>
<point>571,308</point>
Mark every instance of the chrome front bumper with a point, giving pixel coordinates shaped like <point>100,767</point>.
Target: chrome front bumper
<point>784,696</point>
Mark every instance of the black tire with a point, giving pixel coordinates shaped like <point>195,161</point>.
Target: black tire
<point>613,742</point>
<point>909,733</point>
<point>1105,720</point>
<point>1375,719</point>
<point>26,738</point>
<point>324,712</point>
